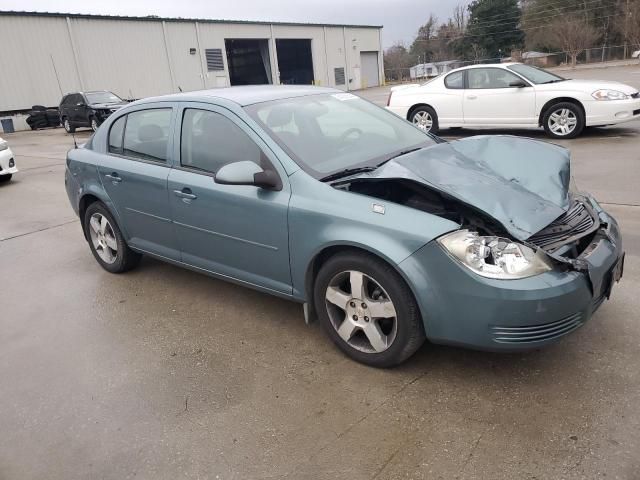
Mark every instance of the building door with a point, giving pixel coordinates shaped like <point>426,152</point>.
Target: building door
<point>248,61</point>
<point>295,62</point>
<point>370,73</point>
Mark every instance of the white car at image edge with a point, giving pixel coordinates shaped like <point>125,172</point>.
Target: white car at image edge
<point>514,95</point>
<point>7,162</point>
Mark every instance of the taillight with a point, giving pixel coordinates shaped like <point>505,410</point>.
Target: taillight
<point>389,99</point>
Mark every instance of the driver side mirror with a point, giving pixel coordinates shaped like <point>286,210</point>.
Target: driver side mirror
<point>518,84</point>
<point>248,173</point>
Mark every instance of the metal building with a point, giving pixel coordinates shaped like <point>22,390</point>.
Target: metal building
<point>43,55</point>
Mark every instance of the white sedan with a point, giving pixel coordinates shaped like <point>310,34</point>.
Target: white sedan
<point>7,162</point>
<point>514,95</point>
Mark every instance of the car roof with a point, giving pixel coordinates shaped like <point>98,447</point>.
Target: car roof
<point>486,65</point>
<point>246,95</point>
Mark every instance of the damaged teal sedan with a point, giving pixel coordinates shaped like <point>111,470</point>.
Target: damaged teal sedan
<point>387,235</point>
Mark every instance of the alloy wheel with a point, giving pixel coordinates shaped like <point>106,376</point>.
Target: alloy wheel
<point>67,125</point>
<point>94,124</point>
<point>423,120</point>
<point>563,122</point>
<point>102,237</point>
<point>361,312</point>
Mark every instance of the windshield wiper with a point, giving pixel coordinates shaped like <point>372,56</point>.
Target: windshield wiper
<point>554,81</point>
<point>404,152</point>
<point>346,172</point>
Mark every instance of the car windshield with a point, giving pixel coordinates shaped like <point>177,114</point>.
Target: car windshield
<point>534,74</point>
<point>103,97</point>
<point>329,133</point>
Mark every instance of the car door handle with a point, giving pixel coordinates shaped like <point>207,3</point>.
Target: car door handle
<point>185,193</point>
<point>113,176</point>
<point>471,97</point>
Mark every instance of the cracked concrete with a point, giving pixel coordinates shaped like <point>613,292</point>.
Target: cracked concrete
<point>164,373</point>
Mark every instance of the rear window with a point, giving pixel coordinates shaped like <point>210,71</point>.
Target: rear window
<point>115,135</point>
<point>454,80</point>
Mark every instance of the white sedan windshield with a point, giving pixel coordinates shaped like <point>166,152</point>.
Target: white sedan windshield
<point>332,132</point>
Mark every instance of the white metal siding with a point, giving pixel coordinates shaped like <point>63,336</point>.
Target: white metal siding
<point>140,58</point>
<point>27,76</point>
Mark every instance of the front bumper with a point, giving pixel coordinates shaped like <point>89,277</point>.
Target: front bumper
<point>612,112</point>
<point>462,308</point>
<point>6,161</point>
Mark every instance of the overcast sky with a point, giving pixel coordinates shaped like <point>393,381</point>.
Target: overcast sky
<point>401,18</point>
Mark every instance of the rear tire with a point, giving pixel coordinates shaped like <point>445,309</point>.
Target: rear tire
<point>563,120</point>
<point>103,234</point>
<point>425,118</point>
<point>377,322</point>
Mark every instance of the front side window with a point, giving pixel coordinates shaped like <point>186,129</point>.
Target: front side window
<point>210,140</point>
<point>328,133</point>
<point>454,80</point>
<point>146,134</point>
<point>490,78</point>
<point>115,135</point>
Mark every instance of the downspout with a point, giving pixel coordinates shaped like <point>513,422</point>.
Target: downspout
<point>347,73</point>
<point>201,53</point>
<point>326,57</point>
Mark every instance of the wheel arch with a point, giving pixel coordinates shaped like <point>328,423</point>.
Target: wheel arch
<point>91,196</point>
<point>418,105</point>
<point>556,100</point>
<point>329,251</point>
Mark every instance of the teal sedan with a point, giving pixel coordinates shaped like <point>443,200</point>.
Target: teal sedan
<point>388,235</point>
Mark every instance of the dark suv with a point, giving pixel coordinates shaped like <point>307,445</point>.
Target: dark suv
<point>88,109</point>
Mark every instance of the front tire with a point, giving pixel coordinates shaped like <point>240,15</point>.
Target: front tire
<point>106,241</point>
<point>5,178</point>
<point>563,120</point>
<point>425,118</point>
<point>67,125</point>
<point>368,310</point>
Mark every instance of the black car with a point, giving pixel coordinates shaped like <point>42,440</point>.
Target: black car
<point>88,109</point>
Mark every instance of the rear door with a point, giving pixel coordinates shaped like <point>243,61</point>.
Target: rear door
<point>490,100</point>
<point>75,102</point>
<point>237,231</point>
<point>134,173</point>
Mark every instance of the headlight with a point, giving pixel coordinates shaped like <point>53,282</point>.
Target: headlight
<point>606,94</point>
<point>494,257</point>
<point>3,145</point>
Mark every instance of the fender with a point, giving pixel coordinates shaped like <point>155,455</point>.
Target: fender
<point>323,218</point>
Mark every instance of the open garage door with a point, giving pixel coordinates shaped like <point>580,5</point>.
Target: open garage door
<point>370,70</point>
<point>295,62</point>
<point>248,61</point>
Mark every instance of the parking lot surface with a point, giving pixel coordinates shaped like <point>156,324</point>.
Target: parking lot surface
<point>165,373</point>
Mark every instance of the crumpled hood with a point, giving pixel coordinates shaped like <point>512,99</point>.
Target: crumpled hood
<point>521,183</point>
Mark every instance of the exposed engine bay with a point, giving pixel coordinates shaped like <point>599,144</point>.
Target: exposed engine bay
<point>568,236</point>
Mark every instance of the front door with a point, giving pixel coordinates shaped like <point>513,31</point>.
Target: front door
<point>490,100</point>
<point>134,173</point>
<point>236,231</point>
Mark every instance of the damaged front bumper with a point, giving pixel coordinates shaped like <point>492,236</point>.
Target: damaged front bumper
<point>461,308</point>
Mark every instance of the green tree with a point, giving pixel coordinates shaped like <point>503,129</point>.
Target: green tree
<point>493,29</point>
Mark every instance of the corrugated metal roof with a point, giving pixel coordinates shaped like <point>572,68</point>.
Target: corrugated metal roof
<point>151,18</point>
